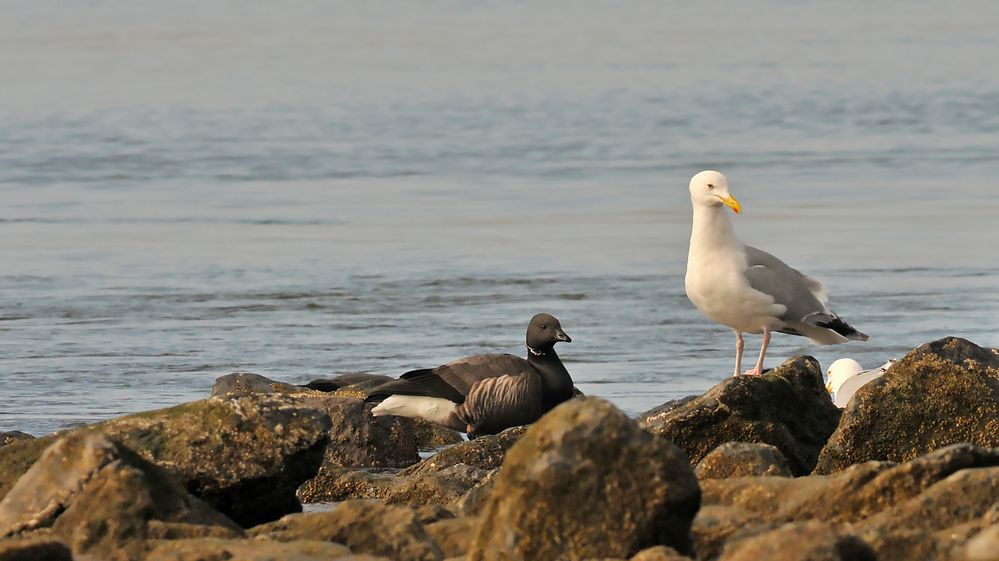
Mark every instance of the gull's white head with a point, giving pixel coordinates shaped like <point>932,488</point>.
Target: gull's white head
<point>710,188</point>
<point>841,371</point>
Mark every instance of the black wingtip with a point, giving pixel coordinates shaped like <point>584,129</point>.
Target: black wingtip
<point>844,329</point>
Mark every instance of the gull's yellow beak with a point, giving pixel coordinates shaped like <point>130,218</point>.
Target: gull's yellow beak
<point>731,203</point>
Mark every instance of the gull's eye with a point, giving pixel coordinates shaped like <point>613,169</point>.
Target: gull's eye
<point>711,186</point>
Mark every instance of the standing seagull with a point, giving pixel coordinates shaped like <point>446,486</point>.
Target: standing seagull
<point>484,394</point>
<point>747,289</point>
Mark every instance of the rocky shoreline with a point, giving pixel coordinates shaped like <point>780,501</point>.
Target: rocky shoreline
<point>756,468</point>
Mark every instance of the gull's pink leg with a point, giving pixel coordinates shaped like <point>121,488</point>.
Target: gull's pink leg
<point>739,345</point>
<point>763,353</point>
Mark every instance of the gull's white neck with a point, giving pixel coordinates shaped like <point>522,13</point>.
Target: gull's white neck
<point>711,229</point>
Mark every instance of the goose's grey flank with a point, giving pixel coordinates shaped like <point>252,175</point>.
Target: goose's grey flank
<point>485,394</point>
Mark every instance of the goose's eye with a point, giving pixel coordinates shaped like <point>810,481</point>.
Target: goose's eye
<point>711,186</point>
<point>544,327</point>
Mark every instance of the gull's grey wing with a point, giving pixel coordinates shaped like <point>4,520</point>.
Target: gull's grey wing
<point>498,403</point>
<point>787,286</point>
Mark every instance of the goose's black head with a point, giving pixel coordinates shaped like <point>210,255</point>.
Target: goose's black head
<point>543,332</point>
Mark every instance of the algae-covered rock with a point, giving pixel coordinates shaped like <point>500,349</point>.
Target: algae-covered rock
<point>485,452</point>
<point>715,525</point>
<point>213,549</point>
<point>34,549</point>
<point>246,383</point>
<point>364,526</point>
<point>941,393</point>
<point>787,407</point>
<point>100,497</point>
<point>244,455</point>
<point>13,436</point>
<point>585,481</point>
<point>742,459</point>
<point>801,541</point>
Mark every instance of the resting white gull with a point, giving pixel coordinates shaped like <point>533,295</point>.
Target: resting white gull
<point>747,289</point>
<point>846,376</point>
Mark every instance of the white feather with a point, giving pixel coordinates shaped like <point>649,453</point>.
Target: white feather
<point>434,409</point>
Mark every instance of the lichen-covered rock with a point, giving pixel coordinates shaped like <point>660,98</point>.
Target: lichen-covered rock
<point>454,535</point>
<point>941,393</point>
<point>365,526</point>
<point>13,436</point>
<point>34,549</point>
<point>485,452</point>
<point>440,487</point>
<point>585,481</point>
<point>801,541</point>
<point>213,549</point>
<point>244,455</point>
<point>17,457</point>
<point>100,497</point>
<point>787,407</point>
<point>742,459</point>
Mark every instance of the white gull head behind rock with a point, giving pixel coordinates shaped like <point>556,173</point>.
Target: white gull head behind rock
<point>747,289</point>
<point>846,376</point>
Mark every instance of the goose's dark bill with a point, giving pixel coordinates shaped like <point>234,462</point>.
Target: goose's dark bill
<point>484,393</point>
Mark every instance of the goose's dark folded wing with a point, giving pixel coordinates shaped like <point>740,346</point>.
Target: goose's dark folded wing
<point>451,381</point>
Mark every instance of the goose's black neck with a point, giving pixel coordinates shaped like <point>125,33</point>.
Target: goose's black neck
<point>555,380</point>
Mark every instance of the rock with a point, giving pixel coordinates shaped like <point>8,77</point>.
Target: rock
<point>715,525</point>
<point>847,496</point>
<point>485,452</point>
<point>431,436</point>
<point>742,459</point>
<point>364,526</point>
<point>100,497</point>
<point>13,436</point>
<point>212,549</point>
<point>586,481</point>
<point>34,549</point>
<point>17,457</point>
<point>474,500</point>
<point>984,547</point>
<point>440,488</point>
<point>787,407</point>
<point>356,438</point>
<point>343,380</point>
<point>940,519</point>
<point>454,535</point>
<point>659,553</point>
<point>941,393</point>
<point>812,541</point>
<point>244,455</point>
<point>246,383</point>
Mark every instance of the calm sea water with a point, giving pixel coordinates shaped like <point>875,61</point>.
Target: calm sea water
<point>302,189</point>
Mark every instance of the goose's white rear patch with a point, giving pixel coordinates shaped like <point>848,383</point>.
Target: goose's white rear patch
<point>434,409</point>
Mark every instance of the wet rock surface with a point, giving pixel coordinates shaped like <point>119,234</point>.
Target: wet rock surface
<point>364,526</point>
<point>742,459</point>
<point>100,498</point>
<point>787,407</point>
<point>944,392</point>
<point>585,481</point>
<point>440,487</point>
<point>485,452</point>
